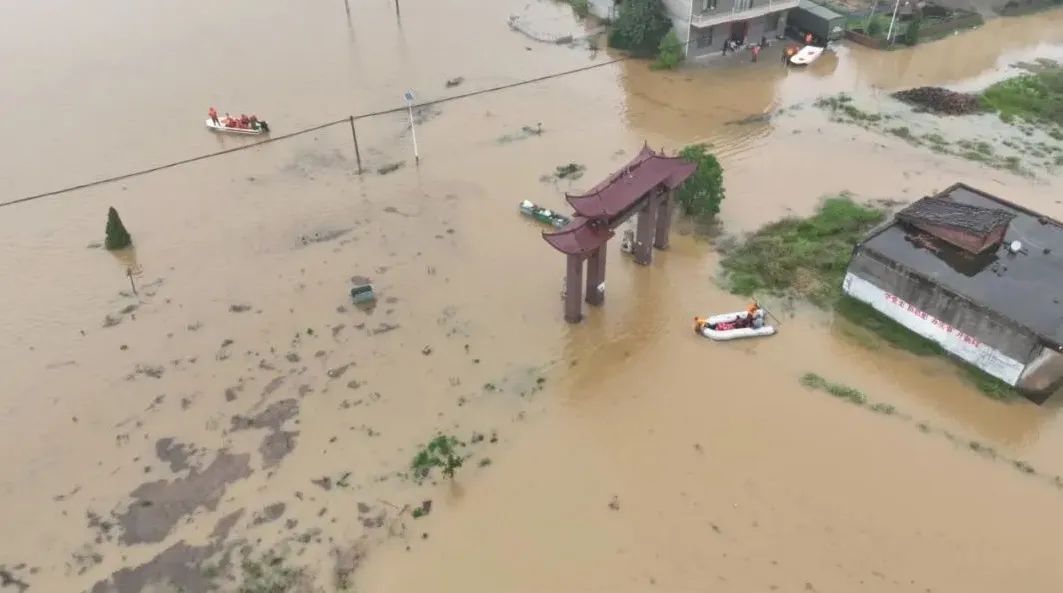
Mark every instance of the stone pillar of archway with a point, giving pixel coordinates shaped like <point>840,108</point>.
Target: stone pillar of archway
<point>596,276</point>
<point>574,289</point>
<point>644,230</point>
<point>664,220</point>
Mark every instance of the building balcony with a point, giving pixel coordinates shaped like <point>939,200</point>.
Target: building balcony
<point>740,11</point>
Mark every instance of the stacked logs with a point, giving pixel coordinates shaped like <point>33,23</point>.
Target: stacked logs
<point>938,100</point>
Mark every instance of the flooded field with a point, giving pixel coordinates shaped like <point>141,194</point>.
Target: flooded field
<point>238,417</point>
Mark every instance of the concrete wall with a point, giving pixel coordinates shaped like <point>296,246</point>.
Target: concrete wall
<point>603,9</point>
<point>1044,374</point>
<point>972,320</point>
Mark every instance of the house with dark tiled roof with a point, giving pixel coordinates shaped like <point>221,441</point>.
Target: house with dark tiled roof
<point>979,275</point>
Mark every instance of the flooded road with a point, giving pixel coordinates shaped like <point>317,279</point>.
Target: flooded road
<point>239,399</point>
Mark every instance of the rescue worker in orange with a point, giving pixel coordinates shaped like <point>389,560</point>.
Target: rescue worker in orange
<point>213,116</point>
<point>752,309</point>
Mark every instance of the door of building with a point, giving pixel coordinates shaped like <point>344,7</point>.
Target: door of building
<point>739,29</point>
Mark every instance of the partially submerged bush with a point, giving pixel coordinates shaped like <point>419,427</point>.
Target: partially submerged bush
<point>117,236</point>
<point>441,452</point>
<point>669,53</point>
<point>801,257</point>
<point>639,27</point>
<point>701,194</point>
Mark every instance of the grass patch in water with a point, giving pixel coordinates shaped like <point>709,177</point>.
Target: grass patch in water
<point>988,384</point>
<point>982,449</point>
<point>1036,98</point>
<point>841,106</point>
<point>268,575</point>
<point>814,381</point>
<point>882,408</point>
<point>801,257</point>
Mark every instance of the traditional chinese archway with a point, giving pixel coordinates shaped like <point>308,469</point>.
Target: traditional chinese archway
<point>645,186</point>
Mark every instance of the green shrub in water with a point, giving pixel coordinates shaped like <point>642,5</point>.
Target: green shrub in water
<point>669,53</point>
<point>701,194</point>
<point>117,236</point>
<point>639,26</point>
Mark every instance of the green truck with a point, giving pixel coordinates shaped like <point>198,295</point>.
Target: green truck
<point>822,22</point>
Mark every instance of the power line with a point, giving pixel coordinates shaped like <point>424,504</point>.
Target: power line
<point>169,165</point>
<point>308,130</point>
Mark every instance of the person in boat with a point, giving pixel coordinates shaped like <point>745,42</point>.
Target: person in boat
<point>699,324</point>
<point>228,121</point>
<point>213,113</point>
<point>752,309</point>
<point>244,121</point>
<point>253,120</point>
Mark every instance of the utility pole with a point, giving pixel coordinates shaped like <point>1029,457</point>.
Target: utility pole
<point>690,28</point>
<point>408,96</point>
<point>397,9</point>
<point>357,153</point>
<point>347,5</point>
<point>893,19</point>
<point>870,16</point>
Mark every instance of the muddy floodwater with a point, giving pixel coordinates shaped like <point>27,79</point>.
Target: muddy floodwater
<point>238,405</point>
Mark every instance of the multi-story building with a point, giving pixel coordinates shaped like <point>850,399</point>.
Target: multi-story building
<point>706,25</point>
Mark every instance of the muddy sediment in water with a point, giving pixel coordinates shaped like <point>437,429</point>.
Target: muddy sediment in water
<point>725,470</point>
<point>158,506</point>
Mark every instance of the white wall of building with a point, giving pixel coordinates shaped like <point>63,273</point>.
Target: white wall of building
<point>965,347</point>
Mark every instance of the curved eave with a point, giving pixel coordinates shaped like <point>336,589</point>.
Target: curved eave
<point>589,205</point>
<point>577,238</point>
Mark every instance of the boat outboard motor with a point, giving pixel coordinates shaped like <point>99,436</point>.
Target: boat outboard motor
<point>264,125</point>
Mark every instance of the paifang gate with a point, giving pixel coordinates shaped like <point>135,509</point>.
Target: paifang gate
<point>645,186</point>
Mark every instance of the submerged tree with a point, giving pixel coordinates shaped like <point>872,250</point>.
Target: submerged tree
<point>117,236</point>
<point>912,36</point>
<point>441,452</point>
<point>639,26</point>
<point>702,193</point>
<point>669,52</point>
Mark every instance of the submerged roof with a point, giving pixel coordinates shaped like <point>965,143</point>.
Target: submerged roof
<point>579,237</point>
<point>1026,287</point>
<point>621,190</point>
<point>976,220</point>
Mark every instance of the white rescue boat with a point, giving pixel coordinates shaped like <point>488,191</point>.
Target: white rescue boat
<point>232,126</point>
<point>806,55</point>
<point>706,326</point>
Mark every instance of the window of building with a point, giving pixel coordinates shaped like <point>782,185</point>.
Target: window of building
<point>707,5</point>
<point>771,25</point>
<point>703,38</point>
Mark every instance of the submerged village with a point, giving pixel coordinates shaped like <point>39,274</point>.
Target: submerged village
<point>536,295</point>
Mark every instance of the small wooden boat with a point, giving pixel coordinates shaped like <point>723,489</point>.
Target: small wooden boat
<point>543,215</point>
<point>733,334</point>
<point>806,55</point>
<point>231,126</point>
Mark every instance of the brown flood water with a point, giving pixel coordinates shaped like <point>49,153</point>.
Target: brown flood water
<point>239,378</point>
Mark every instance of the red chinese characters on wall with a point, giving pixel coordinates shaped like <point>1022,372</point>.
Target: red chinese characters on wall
<point>906,306</point>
